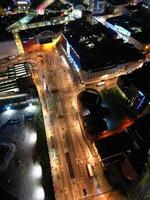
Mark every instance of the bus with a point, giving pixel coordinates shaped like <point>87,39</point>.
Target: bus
<point>90,170</point>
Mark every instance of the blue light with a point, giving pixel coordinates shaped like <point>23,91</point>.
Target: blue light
<point>140,103</point>
<point>8,108</point>
<point>141,93</point>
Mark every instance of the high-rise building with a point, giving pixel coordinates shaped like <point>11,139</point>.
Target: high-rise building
<point>96,6</point>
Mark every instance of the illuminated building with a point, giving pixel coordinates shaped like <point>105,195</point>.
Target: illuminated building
<point>133,27</point>
<point>22,5</point>
<point>136,88</point>
<point>97,7</point>
<point>95,53</point>
<point>36,38</point>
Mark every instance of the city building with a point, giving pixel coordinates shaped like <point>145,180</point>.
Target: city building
<point>135,2</point>
<point>95,53</point>
<point>92,113</point>
<point>120,155</point>
<point>116,7</point>
<point>118,146</point>
<point>141,189</point>
<point>59,6</point>
<point>22,5</point>
<point>39,22</point>
<point>139,133</point>
<point>136,88</point>
<point>16,87</point>
<point>35,38</point>
<point>97,7</point>
<point>6,21</point>
<point>133,27</point>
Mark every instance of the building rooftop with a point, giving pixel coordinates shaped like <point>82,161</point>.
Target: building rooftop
<point>6,21</point>
<point>139,78</point>
<point>90,97</point>
<point>139,131</point>
<point>96,46</point>
<point>29,33</point>
<point>58,5</point>
<point>12,77</point>
<point>10,19</point>
<point>45,17</point>
<point>113,145</point>
<point>118,2</point>
<point>92,112</point>
<point>137,24</point>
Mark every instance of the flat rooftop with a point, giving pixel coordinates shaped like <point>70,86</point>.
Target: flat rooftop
<point>137,24</point>
<point>10,19</point>
<point>29,33</point>
<point>97,47</point>
<point>118,2</point>
<point>58,5</point>
<point>113,145</point>
<point>45,17</point>
<point>89,97</point>
<point>6,21</point>
<point>139,78</point>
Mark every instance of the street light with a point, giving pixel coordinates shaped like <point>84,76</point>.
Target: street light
<point>39,193</point>
<point>37,171</point>
<point>8,107</point>
<point>30,104</point>
<point>32,138</point>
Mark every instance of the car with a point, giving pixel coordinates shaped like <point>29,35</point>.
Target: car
<point>84,191</point>
<point>54,90</point>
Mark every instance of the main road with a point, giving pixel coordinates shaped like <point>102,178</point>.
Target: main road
<point>69,150</point>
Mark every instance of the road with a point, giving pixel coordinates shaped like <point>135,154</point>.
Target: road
<point>62,124</point>
<point>58,96</point>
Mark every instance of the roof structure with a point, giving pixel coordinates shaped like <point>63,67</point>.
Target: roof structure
<point>137,24</point>
<point>96,46</point>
